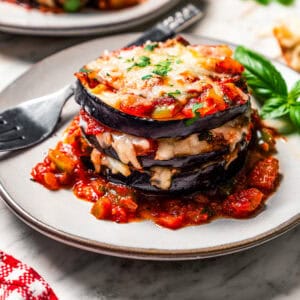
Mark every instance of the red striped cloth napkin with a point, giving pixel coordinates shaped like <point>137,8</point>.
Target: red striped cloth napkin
<point>20,282</point>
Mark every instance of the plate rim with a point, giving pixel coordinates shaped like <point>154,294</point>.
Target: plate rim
<point>142,253</point>
<point>92,29</point>
<point>137,252</point>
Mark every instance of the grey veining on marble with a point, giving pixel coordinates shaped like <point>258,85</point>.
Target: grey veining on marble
<point>270,271</point>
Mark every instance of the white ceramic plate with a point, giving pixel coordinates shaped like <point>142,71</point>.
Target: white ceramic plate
<point>16,19</point>
<point>61,216</point>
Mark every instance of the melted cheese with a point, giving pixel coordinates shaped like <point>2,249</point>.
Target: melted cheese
<point>232,132</point>
<point>190,69</point>
<point>170,148</point>
<point>98,159</point>
<point>161,177</point>
<point>125,145</point>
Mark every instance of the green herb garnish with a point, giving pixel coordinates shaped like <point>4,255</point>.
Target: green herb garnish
<point>71,5</point>
<point>163,67</point>
<point>173,94</point>
<point>143,61</point>
<point>84,70</point>
<point>151,47</point>
<point>263,78</point>
<point>269,87</point>
<point>196,113</point>
<point>147,76</point>
<point>283,2</point>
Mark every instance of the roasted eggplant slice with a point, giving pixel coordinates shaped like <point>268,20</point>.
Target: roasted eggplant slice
<point>149,161</point>
<point>150,128</point>
<point>166,89</point>
<point>170,179</point>
<point>172,152</point>
<point>205,177</point>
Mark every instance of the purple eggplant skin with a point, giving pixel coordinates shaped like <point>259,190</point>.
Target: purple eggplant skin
<point>149,161</point>
<point>150,128</point>
<point>199,179</point>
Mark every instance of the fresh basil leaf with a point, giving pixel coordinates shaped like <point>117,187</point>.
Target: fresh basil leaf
<point>263,2</point>
<point>294,93</point>
<point>273,103</point>
<point>269,112</point>
<point>283,2</point>
<point>295,115</point>
<point>262,77</point>
<point>286,2</point>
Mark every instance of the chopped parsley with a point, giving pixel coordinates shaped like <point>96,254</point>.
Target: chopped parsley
<point>142,62</point>
<point>107,74</point>
<point>173,94</point>
<point>163,67</point>
<point>84,70</point>
<point>129,59</point>
<point>148,76</point>
<point>197,114</point>
<point>179,61</point>
<point>151,47</point>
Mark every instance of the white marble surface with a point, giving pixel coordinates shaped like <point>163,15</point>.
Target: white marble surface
<point>270,271</point>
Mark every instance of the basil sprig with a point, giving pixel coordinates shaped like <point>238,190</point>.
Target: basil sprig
<point>269,87</point>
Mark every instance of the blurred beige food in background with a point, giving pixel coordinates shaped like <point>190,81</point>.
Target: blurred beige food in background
<point>288,37</point>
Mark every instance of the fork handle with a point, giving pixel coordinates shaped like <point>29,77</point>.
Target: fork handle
<point>60,96</point>
<point>171,25</point>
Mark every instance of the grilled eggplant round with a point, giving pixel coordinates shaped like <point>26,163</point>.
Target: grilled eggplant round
<point>150,128</point>
<point>149,161</point>
<point>205,176</point>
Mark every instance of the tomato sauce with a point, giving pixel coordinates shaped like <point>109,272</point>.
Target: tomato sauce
<point>68,166</point>
<point>168,107</point>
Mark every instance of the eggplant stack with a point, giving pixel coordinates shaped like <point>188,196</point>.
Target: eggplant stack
<point>165,117</point>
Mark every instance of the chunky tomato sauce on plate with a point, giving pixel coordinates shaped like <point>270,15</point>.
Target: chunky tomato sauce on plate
<point>68,166</point>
